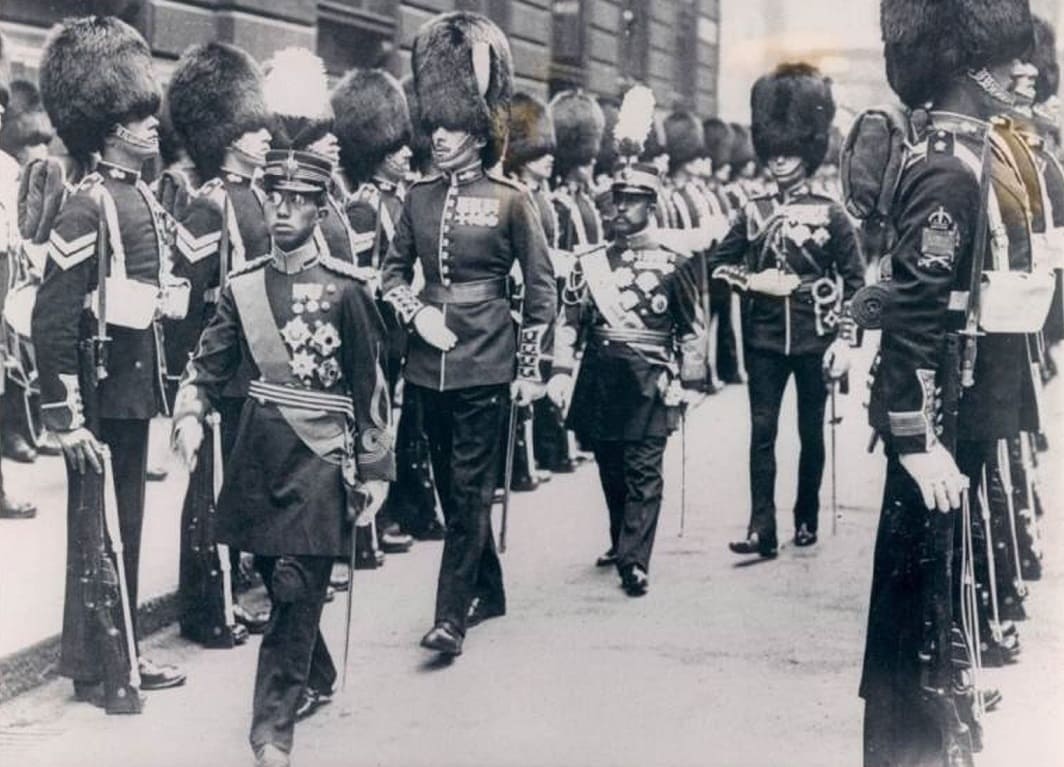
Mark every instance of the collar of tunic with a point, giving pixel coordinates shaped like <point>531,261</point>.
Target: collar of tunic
<point>295,261</point>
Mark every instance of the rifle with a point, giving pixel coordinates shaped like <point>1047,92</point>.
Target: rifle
<point>1004,468</point>
<point>511,442</point>
<point>225,565</point>
<point>971,330</point>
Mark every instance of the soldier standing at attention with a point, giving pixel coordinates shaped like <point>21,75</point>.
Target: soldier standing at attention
<point>313,442</point>
<point>466,227</point>
<point>794,256</point>
<point>101,95</point>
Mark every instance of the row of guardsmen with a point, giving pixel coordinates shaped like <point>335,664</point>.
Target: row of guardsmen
<point>354,301</point>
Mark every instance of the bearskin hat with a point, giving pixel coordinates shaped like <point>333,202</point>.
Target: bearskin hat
<point>791,112</point>
<point>372,120</point>
<point>718,138</point>
<point>297,94</point>
<point>607,158</point>
<point>579,125</point>
<point>1043,55</point>
<point>653,146</point>
<point>96,72</point>
<point>25,122</point>
<point>463,75</point>
<point>5,94</point>
<point>531,131</point>
<point>683,138</point>
<point>420,140</point>
<point>927,43</point>
<point>215,97</point>
<point>742,147</point>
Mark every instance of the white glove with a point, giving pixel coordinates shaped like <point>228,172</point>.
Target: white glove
<point>837,359</point>
<point>82,449</point>
<point>936,474</point>
<point>560,389</point>
<point>186,438</point>
<point>377,491</point>
<point>524,392</point>
<point>692,398</point>
<point>430,325</point>
<point>773,282</point>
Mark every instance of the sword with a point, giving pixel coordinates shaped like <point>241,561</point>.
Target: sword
<point>357,499</point>
<point>835,420</point>
<point>991,566</point>
<point>683,469</point>
<point>114,533</point>
<point>214,420</point>
<point>508,473</point>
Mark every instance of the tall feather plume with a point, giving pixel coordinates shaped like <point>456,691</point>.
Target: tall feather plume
<point>296,85</point>
<point>634,121</point>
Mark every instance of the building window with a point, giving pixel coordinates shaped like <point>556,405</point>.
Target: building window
<point>357,33</point>
<point>568,35</point>
<point>686,61</point>
<point>635,42</point>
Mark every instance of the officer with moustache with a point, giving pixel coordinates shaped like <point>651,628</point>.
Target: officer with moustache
<point>101,95</point>
<point>466,227</point>
<point>312,451</point>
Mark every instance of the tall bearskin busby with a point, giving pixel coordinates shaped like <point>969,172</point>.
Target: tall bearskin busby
<point>927,43</point>
<point>531,132</point>
<point>297,94</point>
<point>96,72</point>
<point>791,113</point>
<point>607,159</point>
<point>718,138</point>
<point>215,97</point>
<point>1043,55</point>
<point>372,121</point>
<point>463,76</point>
<point>742,148</point>
<point>420,141</point>
<point>683,139</point>
<point>579,125</point>
<point>25,122</point>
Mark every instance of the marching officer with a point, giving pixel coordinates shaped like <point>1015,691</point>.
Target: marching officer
<point>634,310</point>
<point>219,114</point>
<point>313,441</point>
<point>101,95</point>
<point>794,256</point>
<point>466,227</point>
<point>957,58</point>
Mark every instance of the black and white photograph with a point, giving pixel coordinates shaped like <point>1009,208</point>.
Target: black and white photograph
<point>531,383</point>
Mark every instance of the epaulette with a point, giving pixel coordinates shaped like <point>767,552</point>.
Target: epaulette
<point>335,265</point>
<point>583,251</point>
<point>512,183</point>
<point>89,182</point>
<point>426,180</point>
<point>252,265</point>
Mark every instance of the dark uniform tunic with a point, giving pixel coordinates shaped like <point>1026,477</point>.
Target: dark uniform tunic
<point>315,418</point>
<point>636,315</point>
<point>809,236</point>
<point>466,231</point>
<point>119,410</point>
<point>908,669</point>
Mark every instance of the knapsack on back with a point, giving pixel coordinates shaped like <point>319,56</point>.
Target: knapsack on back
<point>41,193</point>
<point>873,157</point>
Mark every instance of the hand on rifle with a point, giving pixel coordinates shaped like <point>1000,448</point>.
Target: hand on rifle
<point>186,439</point>
<point>773,282</point>
<point>81,449</point>
<point>560,389</point>
<point>837,360</point>
<point>936,474</point>
<point>432,327</point>
<point>524,392</point>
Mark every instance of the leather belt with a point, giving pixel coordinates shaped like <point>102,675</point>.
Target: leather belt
<point>466,292</point>
<point>632,335</point>
<point>304,399</point>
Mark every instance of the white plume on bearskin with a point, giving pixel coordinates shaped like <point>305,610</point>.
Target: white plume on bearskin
<point>297,94</point>
<point>634,121</point>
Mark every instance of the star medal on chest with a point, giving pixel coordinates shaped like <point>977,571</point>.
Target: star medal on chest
<point>938,242</point>
<point>311,337</point>
<point>477,211</point>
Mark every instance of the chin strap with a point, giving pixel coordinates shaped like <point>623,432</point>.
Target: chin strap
<point>991,87</point>
<point>126,136</point>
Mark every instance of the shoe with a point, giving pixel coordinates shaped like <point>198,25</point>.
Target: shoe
<point>240,633</point>
<point>94,693</point>
<point>995,653</point>
<point>330,594</point>
<point>566,466</point>
<point>544,476</point>
<point>153,677</point>
<point>608,559</point>
<point>254,622</point>
<point>480,611</point>
<point>340,579</point>
<point>392,541</point>
<point>157,473</point>
<point>804,536</point>
<point>634,581</point>
<point>754,544</point>
<point>524,484</point>
<point>11,509</point>
<point>365,556</point>
<point>310,701</point>
<point>992,698</point>
<point>443,639</point>
<point>433,531</point>
<point>271,756</point>
<point>18,449</point>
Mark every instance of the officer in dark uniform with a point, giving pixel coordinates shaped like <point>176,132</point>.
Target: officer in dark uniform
<point>636,310</point>
<point>101,94</point>
<point>957,57</point>
<point>795,257</point>
<point>218,111</point>
<point>373,126</point>
<point>313,437</point>
<point>466,227</point>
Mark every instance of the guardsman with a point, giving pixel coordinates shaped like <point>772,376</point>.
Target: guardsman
<point>635,313</point>
<point>953,202</point>
<point>9,239</point>
<point>219,114</point>
<point>101,95</point>
<point>313,448</point>
<point>744,182</point>
<point>794,256</point>
<point>465,228</point>
<point>530,160</point>
<point>373,126</point>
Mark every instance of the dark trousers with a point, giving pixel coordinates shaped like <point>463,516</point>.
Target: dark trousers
<point>720,307</point>
<point>293,655</point>
<point>768,373</point>
<point>464,427</point>
<point>128,442</point>
<point>631,477</point>
<point>411,497</point>
<point>550,440</point>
